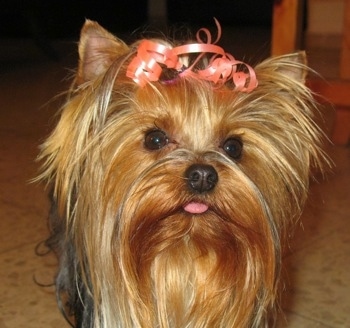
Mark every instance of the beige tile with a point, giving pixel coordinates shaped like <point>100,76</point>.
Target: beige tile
<point>293,320</point>
<point>328,206</point>
<point>318,264</point>
<point>23,303</point>
<point>23,125</point>
<point>24,206</point>
<point>319,280</point>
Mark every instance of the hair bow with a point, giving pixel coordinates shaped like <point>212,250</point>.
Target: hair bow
<point>151,57</point>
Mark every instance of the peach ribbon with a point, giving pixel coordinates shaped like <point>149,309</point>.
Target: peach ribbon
<point>222,67</point>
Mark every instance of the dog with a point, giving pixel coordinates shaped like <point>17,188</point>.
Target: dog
<point>177,173</point>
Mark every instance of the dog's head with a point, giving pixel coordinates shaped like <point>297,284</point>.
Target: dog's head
<point>176,193</point>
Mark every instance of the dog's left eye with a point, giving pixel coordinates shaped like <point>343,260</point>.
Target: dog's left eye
<point>233,147</point>
<point>156,139</point>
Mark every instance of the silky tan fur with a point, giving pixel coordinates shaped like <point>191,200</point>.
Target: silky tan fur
<point>130,256</point>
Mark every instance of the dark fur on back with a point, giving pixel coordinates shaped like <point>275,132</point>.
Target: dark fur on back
<point>73,299</point>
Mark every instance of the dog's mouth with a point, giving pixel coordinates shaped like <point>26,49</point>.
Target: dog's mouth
<point>194,207</point>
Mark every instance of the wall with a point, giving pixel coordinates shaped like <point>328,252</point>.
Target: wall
<point>325,16</point>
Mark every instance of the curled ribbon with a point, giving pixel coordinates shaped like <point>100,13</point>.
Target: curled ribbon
<point>152,56</point>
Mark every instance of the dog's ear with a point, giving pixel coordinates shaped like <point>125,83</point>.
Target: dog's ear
<point>297,68</point>
<point>291,66</point>
<point>97,50</point>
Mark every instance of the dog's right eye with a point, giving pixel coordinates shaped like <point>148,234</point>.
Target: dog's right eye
<point>233,147</point>
<point>156,139</point>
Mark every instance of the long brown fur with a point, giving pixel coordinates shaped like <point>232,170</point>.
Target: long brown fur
<point>130,256</point>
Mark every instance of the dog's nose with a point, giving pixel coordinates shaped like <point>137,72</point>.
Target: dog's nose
<point>201,178</point>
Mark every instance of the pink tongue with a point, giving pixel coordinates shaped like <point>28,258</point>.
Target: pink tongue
<point>195,208</point>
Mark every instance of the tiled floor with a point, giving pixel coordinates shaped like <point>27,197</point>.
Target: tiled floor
<point>317,266</point>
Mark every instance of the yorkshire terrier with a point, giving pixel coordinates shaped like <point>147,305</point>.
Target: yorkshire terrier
<point>177,172</point>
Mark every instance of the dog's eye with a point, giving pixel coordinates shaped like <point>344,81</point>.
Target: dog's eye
<point>156,139</point>
<point>233,147</point>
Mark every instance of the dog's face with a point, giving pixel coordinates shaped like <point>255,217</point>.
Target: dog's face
<point>176,195</point>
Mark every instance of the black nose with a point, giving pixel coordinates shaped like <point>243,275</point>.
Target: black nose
<point>201,178</point>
